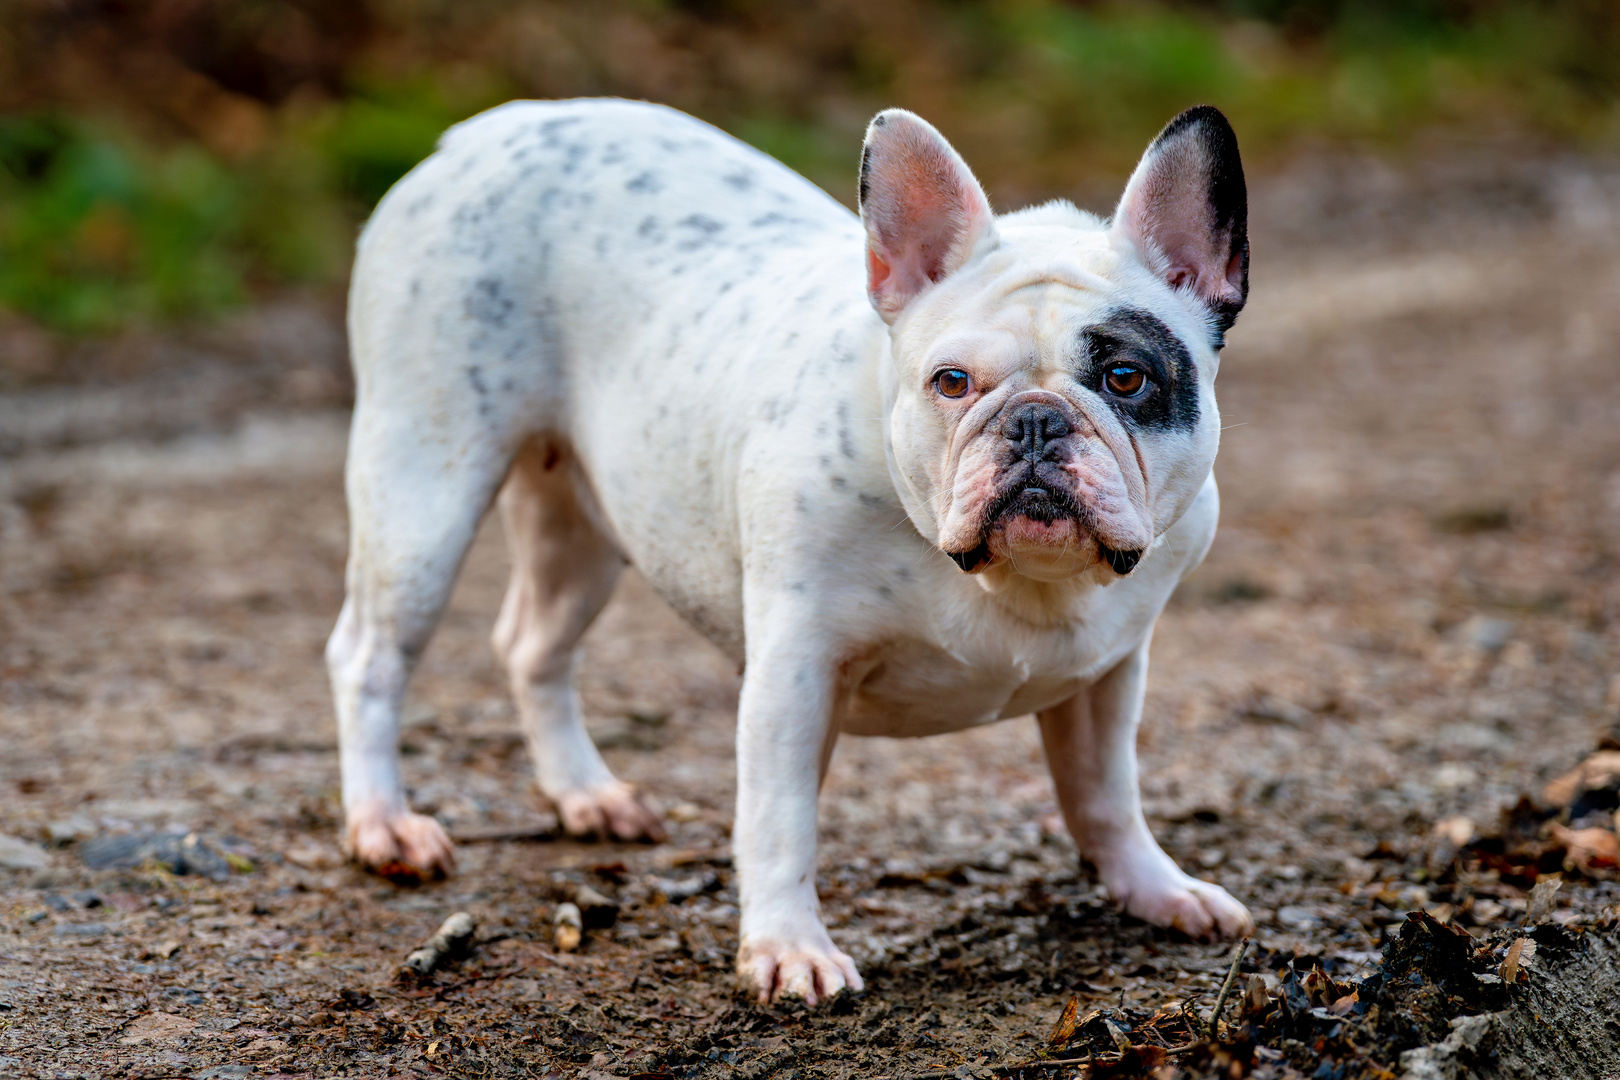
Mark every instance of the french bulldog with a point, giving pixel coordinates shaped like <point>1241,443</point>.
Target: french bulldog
<point>915,471</point>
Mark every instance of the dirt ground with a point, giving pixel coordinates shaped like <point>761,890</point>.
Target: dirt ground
<point>1411,616</point>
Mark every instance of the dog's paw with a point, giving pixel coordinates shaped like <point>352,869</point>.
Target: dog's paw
<point>612,811</point>
<point>379,840</point>
<point>815,971</point>
<point>1196,908</point>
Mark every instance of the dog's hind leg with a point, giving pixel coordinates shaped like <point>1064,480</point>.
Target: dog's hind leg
<point>417,486</point>
<point>564,565</point>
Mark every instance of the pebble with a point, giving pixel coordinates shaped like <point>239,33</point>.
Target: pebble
<point>18,854</point>
<point>69,829</point>
<point>87,929</point>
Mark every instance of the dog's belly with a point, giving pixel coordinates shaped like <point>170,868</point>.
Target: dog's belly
<point>915,689</point>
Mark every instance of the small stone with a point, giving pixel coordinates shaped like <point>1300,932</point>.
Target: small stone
<point>163,949</point>
<point>1296,917</point>
<point>66,830</point>
<point>18,854</point>
<point>80,930</point>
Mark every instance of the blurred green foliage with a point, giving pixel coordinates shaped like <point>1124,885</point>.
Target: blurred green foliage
<point>162,159</point>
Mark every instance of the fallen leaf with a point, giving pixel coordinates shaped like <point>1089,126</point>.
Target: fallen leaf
<point>156,1026</point>
<point>1587,850</point>
<point>1543,898</point>
<point>1064,1029</point>
<point>1457,829</point>
<point>1598,771</point>
<point>1510,964</point>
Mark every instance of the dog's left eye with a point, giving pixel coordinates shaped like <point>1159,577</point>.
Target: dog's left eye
<point>1125,381</point>
<point>953,383</point>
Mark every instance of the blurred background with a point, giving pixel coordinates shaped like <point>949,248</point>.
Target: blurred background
<point>170,160</point>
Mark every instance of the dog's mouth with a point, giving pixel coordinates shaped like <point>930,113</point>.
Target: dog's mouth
<point>1045,508</point>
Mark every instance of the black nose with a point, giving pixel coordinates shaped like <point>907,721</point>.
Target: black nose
<point>1032,428</point>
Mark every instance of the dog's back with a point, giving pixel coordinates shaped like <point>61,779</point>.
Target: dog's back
<point>543,232</point>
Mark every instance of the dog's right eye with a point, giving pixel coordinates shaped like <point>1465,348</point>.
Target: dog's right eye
<point>953,383</point>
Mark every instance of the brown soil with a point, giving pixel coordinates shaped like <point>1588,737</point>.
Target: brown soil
<point>1412,613</point>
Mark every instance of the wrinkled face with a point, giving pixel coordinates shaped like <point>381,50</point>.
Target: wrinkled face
<point>1051,410</point>
<point>1050,396</point>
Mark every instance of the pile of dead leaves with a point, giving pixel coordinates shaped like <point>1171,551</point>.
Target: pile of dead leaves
<point>1573,828</point>
<point>1308,1021</point>
<point>1123,1042</point>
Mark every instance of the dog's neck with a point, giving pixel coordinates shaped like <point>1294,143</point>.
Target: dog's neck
<point>1042,604</point>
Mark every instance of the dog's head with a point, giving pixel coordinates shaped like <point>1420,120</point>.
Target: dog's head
<point>1050,406</point>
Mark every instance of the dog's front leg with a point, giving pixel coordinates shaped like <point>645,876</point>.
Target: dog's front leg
<point>1091,748</point>
<point>785,732</point>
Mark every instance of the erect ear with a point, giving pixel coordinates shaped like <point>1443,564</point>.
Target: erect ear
<point>925,214</point>
<point>1186,210</point>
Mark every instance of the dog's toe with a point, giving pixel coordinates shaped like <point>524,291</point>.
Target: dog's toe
<point>814,973</point>
<point>1196,908</point>
<point>423,843</point>
<point>378,839</point>
<point>612,811</point>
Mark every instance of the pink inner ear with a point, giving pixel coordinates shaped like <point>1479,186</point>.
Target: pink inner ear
<point>922,208</point>
<point>1169,209</point>
<point>877,271</point>
<point>1234,274</point>
<point>1167,213</point>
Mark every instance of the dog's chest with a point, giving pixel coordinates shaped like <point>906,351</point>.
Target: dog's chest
<point>910,687</point>
<point>916,690</point>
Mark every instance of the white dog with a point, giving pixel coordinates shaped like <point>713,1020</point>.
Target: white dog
<point>917,471</point>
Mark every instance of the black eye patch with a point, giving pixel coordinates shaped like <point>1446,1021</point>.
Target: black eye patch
<point>1136,338</point>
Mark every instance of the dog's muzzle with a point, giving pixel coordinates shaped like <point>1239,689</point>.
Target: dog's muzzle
<point>1038,487</point>
<point>1045,502</point>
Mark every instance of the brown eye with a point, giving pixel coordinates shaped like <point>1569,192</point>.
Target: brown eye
<point>1125,381</point>
<point>953,383</point>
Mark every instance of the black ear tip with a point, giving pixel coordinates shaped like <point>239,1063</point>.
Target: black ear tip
<point>1211,120</point>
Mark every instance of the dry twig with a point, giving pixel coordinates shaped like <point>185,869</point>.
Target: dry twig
<point>448,944</point>
<point>1226,988</point>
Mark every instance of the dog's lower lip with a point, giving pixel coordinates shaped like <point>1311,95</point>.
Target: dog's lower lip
<point>972,561</point>
<point>1121,561</point>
